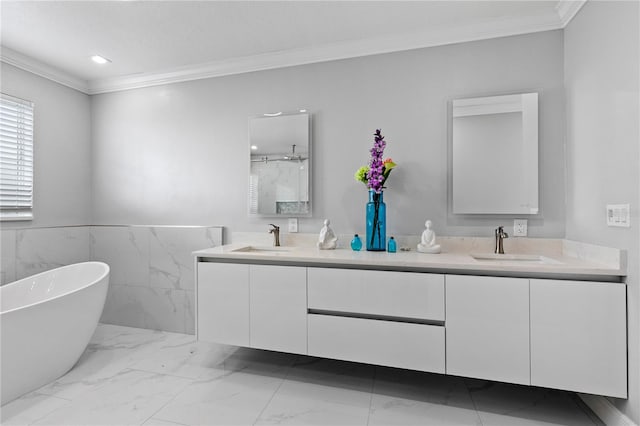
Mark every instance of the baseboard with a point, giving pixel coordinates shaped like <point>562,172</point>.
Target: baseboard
<point>606,411</point>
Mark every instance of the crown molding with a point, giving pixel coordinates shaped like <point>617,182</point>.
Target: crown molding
<point>11,57</point>
<point>330,52</point>
<point>567,9</point>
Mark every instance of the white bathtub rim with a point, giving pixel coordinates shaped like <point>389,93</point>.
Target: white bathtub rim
<point>77,289</point>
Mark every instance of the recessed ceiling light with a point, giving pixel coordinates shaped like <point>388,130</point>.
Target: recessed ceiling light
<point>303,110</point>
<point>253,147</point>
<point>100,59</point>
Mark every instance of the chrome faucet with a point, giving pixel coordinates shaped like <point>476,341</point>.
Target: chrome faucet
<point>500,236</point>
<point>276,234</point>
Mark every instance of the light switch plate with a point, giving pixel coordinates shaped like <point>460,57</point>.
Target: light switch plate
<point>293,224</point>
<point>618,215</point>
<point>519,227</point>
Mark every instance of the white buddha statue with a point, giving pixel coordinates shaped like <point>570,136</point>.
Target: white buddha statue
<point>428,240</point>
<point>327,239</point>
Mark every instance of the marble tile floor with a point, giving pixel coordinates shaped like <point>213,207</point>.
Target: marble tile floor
<point>131,376</point>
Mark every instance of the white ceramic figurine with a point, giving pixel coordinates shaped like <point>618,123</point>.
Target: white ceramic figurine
<point>327,239</point>
<point>428,240</point>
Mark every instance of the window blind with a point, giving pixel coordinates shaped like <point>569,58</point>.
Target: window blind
<point>16,158</point>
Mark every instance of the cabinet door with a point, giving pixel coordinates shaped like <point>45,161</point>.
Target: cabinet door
<point>578,336</point>
<point>223,303</point>
<point>278,303</point>
<point>487,328</point>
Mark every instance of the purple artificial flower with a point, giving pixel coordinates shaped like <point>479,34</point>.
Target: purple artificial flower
<point>375,175</point>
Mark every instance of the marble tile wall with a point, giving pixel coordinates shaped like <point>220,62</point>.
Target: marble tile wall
<point>7,256</point>
<point>152,278</point>
<point>25,252</point>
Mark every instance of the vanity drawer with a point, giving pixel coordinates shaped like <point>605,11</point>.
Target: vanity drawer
<point>390,343</point>
<point>377,293</point>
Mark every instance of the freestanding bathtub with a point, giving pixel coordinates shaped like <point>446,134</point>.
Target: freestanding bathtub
<point>46,322</point>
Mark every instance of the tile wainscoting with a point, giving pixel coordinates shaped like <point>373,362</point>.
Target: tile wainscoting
<point>152,277</point>
<point>26,252</point>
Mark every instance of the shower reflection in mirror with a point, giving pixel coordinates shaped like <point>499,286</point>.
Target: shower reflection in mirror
<point>279,179</point>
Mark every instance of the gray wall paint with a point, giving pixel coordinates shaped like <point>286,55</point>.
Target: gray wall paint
<point>601,78</point>
<point>62,149</point>
<point>178,154</point>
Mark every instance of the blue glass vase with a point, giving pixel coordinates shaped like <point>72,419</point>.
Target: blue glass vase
<point>376,222</point>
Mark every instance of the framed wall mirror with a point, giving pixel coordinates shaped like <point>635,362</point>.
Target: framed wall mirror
<point>280,162</point>
<point>494,155</point>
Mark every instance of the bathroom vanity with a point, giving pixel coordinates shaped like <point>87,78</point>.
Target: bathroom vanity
<point>551,321</point>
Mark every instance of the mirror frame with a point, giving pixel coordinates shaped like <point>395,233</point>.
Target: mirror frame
<point>309,163</point>
<point>505,104</point>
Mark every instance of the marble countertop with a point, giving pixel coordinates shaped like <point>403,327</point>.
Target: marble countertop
<point>567,262</point>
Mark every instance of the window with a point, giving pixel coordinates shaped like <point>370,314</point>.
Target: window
<point>16,158</point>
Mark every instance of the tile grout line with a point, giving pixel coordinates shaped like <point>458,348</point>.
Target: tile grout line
<point>151,371</point>
<point>373,385</point>
<point>130,368</point>
<point>44,416</point>
<point>473,401</point>
<point>170,399</point>
<point>276,391</point>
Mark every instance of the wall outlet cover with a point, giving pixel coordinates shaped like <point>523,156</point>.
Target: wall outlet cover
<point>520,227</point>
<point>293,224</point>
<point>618,215</point>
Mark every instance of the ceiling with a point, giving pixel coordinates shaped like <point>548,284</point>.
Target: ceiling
<point>156,42</point>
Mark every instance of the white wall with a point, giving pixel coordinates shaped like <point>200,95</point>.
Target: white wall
<point>178,154</point>
<point>61,149</point>
<point>603,153</point>
<point>57,235</point>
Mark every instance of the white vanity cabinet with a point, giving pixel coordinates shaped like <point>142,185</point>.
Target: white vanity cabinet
<point>278,308</point>
<point>257,306</point>
<point>557,333</point>
<point>380,293</point>
<point>379,317</point>
<point>487,326</point>
<point>223,303</point>
<point>578,336</point>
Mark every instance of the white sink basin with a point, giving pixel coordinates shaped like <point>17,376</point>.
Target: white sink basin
<point>261,250</point>
<point>532,258</point>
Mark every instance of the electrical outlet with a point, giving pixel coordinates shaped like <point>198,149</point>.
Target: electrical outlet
<point>293,224</point>
<point>618,215</point>
<point>519,227</point>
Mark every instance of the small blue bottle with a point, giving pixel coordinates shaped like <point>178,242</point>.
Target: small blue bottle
<point>391,247</point>
<point>356,243</point>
